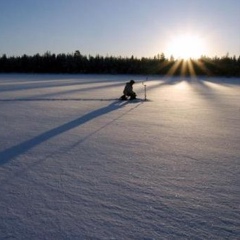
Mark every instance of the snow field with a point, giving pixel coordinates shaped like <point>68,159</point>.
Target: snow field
<point>77,164</point>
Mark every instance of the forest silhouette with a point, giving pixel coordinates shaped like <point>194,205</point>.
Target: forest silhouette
<point>159,64</point>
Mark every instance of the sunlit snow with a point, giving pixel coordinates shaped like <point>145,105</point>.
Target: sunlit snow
<point>76,163</point>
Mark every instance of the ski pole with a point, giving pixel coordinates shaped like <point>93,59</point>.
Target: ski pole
<point>145,91</point>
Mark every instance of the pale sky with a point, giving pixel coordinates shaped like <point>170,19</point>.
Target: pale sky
<point>143,28</point>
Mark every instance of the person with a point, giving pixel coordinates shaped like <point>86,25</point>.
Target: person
<point>128,91</point>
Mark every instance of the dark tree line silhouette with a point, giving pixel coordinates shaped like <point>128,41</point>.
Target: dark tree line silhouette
<point>78,63</point>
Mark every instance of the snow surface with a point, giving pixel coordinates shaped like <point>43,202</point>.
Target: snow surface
<point>77,164</point>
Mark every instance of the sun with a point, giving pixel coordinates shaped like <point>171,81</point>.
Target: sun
<point>186,46</point>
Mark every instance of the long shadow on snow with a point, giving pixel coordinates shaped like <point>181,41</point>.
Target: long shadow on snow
<point>12,152</point>
<point>77,86</point>
<point>174,80</point>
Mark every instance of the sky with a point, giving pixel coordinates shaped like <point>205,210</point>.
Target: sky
<point>142,28</point>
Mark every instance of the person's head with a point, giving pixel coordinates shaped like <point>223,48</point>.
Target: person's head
<point>132,82</point>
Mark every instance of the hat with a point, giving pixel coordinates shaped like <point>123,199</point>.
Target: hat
<point>132,81</point>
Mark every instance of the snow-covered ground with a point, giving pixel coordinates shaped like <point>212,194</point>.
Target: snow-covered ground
<point>77,164</point>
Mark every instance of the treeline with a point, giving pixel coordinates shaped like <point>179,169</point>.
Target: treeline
<point>78,63</point>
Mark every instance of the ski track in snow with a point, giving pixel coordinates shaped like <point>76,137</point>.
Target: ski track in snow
<point>76,163</point>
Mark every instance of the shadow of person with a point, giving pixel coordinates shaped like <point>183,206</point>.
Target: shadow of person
<point>14,151</point>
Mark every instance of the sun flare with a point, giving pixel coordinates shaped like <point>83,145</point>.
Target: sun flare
<point>186,46</point>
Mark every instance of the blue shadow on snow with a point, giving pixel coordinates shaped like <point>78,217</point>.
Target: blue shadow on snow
<point>14,151</point>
